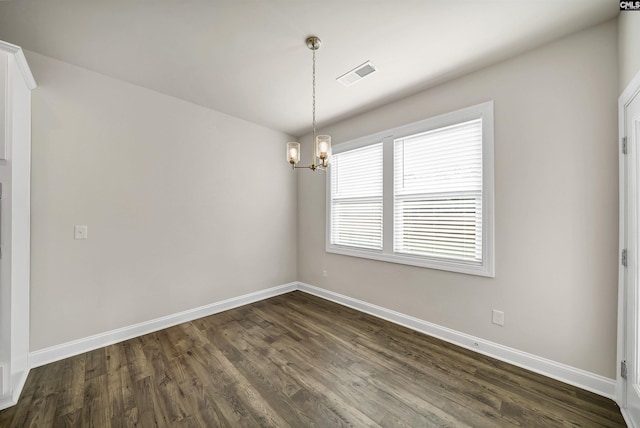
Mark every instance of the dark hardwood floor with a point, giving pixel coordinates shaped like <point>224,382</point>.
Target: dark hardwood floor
<point>296,360</point>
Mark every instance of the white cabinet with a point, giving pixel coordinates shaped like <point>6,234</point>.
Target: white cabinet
<point>16,83</point>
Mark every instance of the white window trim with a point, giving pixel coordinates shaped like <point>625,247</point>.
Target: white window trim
<point>487,268</point>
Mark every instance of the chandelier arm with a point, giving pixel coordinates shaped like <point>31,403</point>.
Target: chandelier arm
<point>312,167</point>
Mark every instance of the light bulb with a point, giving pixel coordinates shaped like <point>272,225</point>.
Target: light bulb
<point>293,152</point>
<point>323,146</point>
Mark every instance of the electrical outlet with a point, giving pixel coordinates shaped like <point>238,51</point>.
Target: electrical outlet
<point>80,232</point>
<point>497,317</point>
<point>324,273</point>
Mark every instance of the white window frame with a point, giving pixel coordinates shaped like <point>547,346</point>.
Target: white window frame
<point>487,266</point>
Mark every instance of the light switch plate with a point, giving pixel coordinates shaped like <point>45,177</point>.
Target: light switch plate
<point>80,232</point>
<point>497,317</point>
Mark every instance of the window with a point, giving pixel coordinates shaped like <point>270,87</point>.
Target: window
<point>356,207</point>
<point>421,194</point>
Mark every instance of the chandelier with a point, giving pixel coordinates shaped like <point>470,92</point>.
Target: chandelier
<point>321,143</point>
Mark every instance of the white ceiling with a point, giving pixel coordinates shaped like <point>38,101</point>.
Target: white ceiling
<point>247,58</point>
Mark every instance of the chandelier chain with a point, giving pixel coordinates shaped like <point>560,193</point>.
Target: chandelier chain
<point>313,96</point>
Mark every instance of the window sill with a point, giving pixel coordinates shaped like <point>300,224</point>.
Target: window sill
<point>485,269</point>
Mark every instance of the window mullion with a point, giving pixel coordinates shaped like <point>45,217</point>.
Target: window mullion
<point>387,195</point>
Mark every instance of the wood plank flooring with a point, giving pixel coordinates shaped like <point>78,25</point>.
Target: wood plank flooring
<point>296,361</point>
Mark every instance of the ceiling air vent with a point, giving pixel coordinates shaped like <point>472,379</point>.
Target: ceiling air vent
<point>358,73</point>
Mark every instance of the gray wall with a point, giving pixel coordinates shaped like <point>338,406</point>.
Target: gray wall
<point>185,206</point>
<point>556,208</point>
<point>629,46</point>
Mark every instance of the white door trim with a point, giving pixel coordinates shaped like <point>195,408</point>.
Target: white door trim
<point>628,194</point>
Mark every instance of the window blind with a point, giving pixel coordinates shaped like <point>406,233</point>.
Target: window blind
<point>438,193</point>
<point>356,198</point>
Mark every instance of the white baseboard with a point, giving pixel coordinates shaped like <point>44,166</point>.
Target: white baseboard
<point>628,419</point>
<point>75,347</point>
<point>11,397</point>
<point>571,375</point>
<point>564,373</point>
<point>6,402</point>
